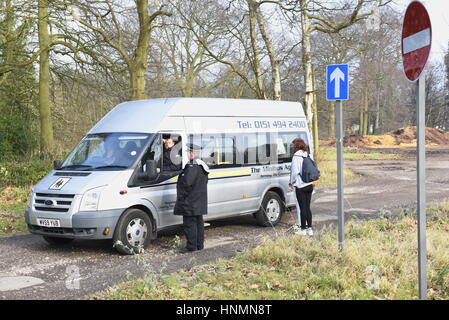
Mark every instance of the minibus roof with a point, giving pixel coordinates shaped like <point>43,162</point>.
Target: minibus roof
<point>146,115</point>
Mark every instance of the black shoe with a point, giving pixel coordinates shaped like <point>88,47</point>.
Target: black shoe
<point>200,248</point>
<point>186,250</point>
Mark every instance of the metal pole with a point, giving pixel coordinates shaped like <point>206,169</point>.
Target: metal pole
<point>421,185</point>
<point>340,209</point>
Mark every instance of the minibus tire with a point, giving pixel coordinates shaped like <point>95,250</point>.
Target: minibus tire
<point>57,241</point>
<point>269,201</point>
<point>121,243</point>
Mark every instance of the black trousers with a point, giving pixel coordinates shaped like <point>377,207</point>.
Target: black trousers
<point>194,232</point>
<point>304,196</point>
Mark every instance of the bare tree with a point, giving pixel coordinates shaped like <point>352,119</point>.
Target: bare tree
<point>245,43</point>
<point>14,28</point>
<point>106,19</point>
<point>47,138</point>
<point>319,16</point>
<point>182,58</point>
<point>274,59</point>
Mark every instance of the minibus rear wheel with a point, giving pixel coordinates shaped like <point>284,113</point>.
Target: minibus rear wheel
<point>271,210</point>
<point>133,232</point>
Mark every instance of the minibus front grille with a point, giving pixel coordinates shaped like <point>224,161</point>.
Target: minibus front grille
<point>49,202</point>
<point>52,209</point>
<point>72,174</point>
<point>64,231</point>
<point>55,195</point>
<point>64,203</point>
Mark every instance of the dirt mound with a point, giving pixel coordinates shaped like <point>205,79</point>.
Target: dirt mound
<point>401,137</point>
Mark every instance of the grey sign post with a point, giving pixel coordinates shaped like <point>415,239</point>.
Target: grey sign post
<point>421,184</point>
<point>340,205</point>
<point>337,89</point>
<point>416,41</point>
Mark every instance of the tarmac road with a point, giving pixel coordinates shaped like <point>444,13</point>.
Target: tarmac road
<point>32,269</point>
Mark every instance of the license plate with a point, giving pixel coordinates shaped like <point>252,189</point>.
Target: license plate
<point>50,223</point>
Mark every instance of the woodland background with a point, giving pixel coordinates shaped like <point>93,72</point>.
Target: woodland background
<point>65,64</point>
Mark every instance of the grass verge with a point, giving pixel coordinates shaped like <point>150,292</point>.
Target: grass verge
<point>350,153</point>
<point>327,164</point>
<point>379,262</point>
<point>13,201</point>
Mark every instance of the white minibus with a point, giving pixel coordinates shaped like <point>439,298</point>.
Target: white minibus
<point>113,185</point>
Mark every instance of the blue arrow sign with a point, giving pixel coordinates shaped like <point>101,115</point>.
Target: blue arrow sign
<point>337,82</point>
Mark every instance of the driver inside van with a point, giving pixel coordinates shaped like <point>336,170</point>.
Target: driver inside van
<point>111,145</point>
<point>172,160</point>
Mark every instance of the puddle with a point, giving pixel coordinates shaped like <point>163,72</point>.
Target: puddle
<point>17,283</point>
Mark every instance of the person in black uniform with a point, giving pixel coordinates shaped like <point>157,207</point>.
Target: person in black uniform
<point>172,160</point>
<point>191,200</point>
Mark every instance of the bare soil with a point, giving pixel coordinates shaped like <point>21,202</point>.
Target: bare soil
<point>402,137</point>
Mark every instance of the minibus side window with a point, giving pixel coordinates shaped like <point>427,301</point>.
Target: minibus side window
<point>263,148</point>
<point>246,149</point>
<point>217,150</point>
<point>284,144</point>
<point>153,152</point>
<point>208,152</point>
<point>226,151</point>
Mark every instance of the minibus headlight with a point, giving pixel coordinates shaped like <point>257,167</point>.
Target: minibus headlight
<point>30,199</point>
<point>90,200</point>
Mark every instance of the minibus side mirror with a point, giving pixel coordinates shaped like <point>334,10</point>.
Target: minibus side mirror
<point>151,170</point>
<point>57,164</point>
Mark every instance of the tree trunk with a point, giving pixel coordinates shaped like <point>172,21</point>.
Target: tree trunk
<point>377,120</point>
<point>46,134</point>
<point>331,119</point>
<point>256,59</point>
<point>316,142</point>
<point>366,112</point>
<point>137,83</point>
<point>139,62</point>
<point>307,62</point>
<point>361,117</point>
<point>368,122</point>
<point>275,73</point>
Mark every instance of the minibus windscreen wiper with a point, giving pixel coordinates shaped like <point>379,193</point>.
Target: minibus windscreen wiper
<point>110,166</point>
<point>74,166</point>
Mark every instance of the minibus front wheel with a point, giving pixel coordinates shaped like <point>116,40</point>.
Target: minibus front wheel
<point>271,210</point>
<point>133,232</point>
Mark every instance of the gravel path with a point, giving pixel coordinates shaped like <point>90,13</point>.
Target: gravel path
<point>32,269</point>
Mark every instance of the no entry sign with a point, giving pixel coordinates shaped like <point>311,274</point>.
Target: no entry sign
<point>416,40</point>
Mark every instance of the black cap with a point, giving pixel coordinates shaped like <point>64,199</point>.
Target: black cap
<point>193,147</point>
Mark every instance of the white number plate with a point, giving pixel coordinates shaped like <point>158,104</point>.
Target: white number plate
<point>50,223</point>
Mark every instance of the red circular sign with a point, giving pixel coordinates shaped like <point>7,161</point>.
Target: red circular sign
<point>416,40</point>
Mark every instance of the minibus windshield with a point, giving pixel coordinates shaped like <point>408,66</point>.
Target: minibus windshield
<point>106,151</point>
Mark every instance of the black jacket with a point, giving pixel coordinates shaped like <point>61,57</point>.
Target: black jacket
<point>192,190</point>
<point>168,165</point>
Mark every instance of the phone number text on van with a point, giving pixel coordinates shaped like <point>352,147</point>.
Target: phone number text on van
<point>276,124</point>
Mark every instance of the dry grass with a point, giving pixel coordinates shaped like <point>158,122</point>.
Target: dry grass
<point>326,160</point>
<point>328,178</point>
<point>379,262</point>
<point>13,201</point>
